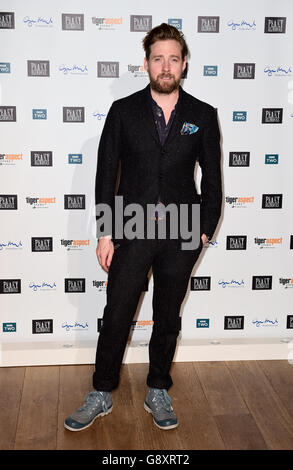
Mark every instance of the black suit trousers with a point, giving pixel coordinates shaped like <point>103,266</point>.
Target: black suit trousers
<point>131,263</point>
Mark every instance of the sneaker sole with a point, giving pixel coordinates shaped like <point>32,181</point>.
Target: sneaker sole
<point>165,428</point>
<point>100,415</point>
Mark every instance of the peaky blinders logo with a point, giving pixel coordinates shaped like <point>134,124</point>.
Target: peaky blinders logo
<point>239,159</point>
<point>42,244</point>
<point>73,114</point>
<point>236,242</point>
<point>208,24</point>
<point>272,116</point>
<point>38,68</point>
<point>200,283</point>
<point>108,69</point>
<point>41,158</point>
<point>74,285</point>
<point>262,282</point>
<point>7,20</point>
<point>275,24</point>
<point>42,326</point>
<point>74,201</point>
<point>10,286</point>
<point>141,23</point>
<point>8,113</point>
<point>72,22</point>
<point>272,201</point>
<point>8,201</point>
<point>234,323</point>
<point>244,71</point>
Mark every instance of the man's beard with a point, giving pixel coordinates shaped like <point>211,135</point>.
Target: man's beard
<point>164,87</point>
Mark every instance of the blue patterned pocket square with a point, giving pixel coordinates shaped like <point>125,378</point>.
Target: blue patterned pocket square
<point>188,129</point>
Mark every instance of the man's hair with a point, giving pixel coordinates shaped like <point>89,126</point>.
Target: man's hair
<point>162,33</point>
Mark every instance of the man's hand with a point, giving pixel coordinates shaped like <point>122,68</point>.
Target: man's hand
<point>105,251</point>
<point>204,238</point>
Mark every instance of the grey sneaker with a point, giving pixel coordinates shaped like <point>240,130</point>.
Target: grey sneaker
<point>96,404</point>
<point>159,404</point>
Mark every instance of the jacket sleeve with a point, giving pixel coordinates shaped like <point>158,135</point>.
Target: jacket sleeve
<point>211,181</point>
<point>108,159</point>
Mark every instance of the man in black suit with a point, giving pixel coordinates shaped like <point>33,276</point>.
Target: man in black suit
<point>157,135</point>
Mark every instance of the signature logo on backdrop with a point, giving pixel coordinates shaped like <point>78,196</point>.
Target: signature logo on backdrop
<point>242,25</point>
<point>265,322</point>
<point>99,116</point>
<point>278,71</point>
<point>232,283</point>
<point>38,21</point>
<point>10,245</point>
<point>75,326</point>
<point>41,286</point>
<point>74,69</point>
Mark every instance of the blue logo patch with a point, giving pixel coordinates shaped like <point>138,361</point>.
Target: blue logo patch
<point>240,116</point>
<point>39,114</point>
<point>176,22</point>
<point>75,158</point>
<point>9,327</point>
<point>271,159</point>
<point>4,67</point>
<point>202,323</point>
<point>210,70</point>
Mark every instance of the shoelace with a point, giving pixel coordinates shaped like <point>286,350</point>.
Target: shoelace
<point>92,401</point>
<point>161,399</point>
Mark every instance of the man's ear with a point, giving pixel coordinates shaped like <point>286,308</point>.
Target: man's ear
<point>184,65</point>
<point>146,64</point>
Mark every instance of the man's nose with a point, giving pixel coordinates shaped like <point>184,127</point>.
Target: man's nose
<point>166,65</point>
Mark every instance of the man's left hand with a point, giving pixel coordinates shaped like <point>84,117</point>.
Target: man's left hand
<point>204,238</point>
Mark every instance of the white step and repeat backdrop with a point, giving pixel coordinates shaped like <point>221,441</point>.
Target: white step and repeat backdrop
<point>62,63</point>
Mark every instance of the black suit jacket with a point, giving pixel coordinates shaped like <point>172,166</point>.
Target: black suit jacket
<point>149,169</point>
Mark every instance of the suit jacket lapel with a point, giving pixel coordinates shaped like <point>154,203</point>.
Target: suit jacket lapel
<point>178,120</point>
<point>148,121</point>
